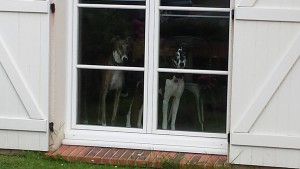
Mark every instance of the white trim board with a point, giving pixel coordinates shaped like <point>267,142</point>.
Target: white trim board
<point>247,3</point>
<point>264,140</point>
<point>23,124</point>
<point>24,6</point>
<point>267,14</point>
<point>147,141</point>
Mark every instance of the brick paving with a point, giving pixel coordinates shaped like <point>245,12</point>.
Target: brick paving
<point>141,158</point>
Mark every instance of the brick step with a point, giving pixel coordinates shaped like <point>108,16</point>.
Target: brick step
<point>141,158</point>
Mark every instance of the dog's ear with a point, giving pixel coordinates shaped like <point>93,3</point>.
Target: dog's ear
<point>129,40</point>
<point>115,39</point>
<point>185,47</point>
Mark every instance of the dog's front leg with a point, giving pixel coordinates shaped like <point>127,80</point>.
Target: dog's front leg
<point>102,112</point>
<point>116,105</point>
<point>165,113</point>
<point>167,96</point>
<point>175,103</point>
<point>173,112</point>
<point>139,123</point>
<point>128,124</point>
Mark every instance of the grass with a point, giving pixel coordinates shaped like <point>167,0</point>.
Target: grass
<point>36,160</point>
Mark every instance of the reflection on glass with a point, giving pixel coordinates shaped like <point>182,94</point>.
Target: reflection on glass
<point>105,92</point>
<point>192,102</point>
<point>118,2</point>
<point>202,35</point>
<point>109,36</point>
<point>197,3</point>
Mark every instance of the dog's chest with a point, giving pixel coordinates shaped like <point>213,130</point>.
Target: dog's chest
<point>174,87</point>
<point>116,81</point>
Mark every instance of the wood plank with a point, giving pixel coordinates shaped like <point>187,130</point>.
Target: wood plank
<point>266,140</point>
<point>24,6</point>
<point>19,83</point>
<point>44,62</point>
<point>246,155</point>
<point>29,59</point>
<point>267,14</point>
<point>247,3</point>
<point>23,124</point>
<point>269,88</point>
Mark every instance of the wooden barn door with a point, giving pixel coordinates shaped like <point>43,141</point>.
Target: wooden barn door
<point>265,128</point>
<point>24,69</point>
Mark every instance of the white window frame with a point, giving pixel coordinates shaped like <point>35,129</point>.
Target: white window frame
<point>122,137</point>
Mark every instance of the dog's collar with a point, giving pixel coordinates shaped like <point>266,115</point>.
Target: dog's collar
<point>114,62</point>
<point>177,77</point>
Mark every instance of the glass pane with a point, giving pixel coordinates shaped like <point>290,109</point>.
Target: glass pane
<point>113,37</point>
<point>124,93</point>
<point>197,3</point>
<point>198,102</point>
<point>203,37</point>
<point>118,2</point>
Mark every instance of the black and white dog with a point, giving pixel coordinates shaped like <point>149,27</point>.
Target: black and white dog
<point>173,87</point>
<point>169,87</point>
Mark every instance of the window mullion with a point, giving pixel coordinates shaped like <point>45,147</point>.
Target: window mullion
<point>150,89</point>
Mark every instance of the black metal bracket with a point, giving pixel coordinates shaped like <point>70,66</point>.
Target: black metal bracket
<point>52,7</point>
<point>228,137</point>
<point>51,127</point>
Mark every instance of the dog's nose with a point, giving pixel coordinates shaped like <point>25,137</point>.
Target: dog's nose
<point>181,64</point>
<point>125,60</point>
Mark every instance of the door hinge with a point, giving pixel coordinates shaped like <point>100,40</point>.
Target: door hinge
<point>232,14</point>
<point>51,127</point>
<point>228,137</point>
<point>52,7</point>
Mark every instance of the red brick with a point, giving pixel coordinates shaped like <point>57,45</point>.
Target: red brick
<point>115,158</point>
<point>186,158</point>
<point>195,159</point>
<point>172,154</point>
<point>151,157</point>
<point>123,159</point>
<point>211,161</point>
<point>203,160</point>
<point>83,153</point>
<point>133,157</point>
<point>159,159</point>
<point>65,154</point>
<point>221,161</point>
<point>141,158</point>
<point>140,161</point>
<point>178,158</point>
<point>72,155</point>
<point>106,158</point>
<point>90,156</point>
<point>48,154</point>
<point>101,153</point>
<point>60,151</point>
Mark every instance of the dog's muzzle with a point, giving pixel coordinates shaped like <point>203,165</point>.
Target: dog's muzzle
<point>124,59</point>
<point>181,65</point>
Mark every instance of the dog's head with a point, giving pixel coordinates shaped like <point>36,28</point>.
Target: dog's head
<point>179,60</point>
<point>121,50</point>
